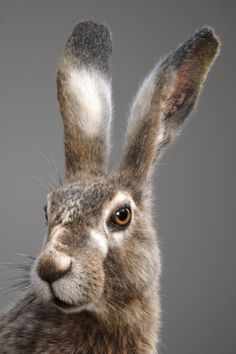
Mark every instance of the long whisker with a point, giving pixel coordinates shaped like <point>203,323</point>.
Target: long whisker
<point>24,255</point>
<point>44,183</point>
<point>58,174</point>
<point>53,164</point>
<point>18,274</point>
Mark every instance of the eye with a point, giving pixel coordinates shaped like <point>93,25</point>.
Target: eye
<point>46,214</point>
<point>122,216</point>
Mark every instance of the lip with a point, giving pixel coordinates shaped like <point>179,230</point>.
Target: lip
<point>62,304</point>
<point>58,302</point>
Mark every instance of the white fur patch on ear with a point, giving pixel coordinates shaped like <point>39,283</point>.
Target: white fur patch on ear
<point>100,241</point>
<point>92,99</point>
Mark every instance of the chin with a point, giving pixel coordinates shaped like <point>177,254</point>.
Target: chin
<point>68,308</point>
<point>63,297</point>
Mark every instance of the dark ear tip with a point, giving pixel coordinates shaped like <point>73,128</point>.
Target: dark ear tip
<point>207,35</point>
<point>203,44</point>
<point>90,28</point>
<point>90,44</point>
<point>88,34</point>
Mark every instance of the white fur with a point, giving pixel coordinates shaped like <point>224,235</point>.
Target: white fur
<point>161,135</point>
<point>63,261</point>
<point>56,231</point>
<point>142,101</point>
<point>121,197</point>
<point>100,240</point>
<point>117,238</point>
<point>92,93</point>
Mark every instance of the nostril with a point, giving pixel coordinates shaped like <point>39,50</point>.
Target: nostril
<point>50,277</point>
<point>51,270</point>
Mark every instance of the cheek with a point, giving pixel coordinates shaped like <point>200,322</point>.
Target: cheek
<point>117,239</point>
<point>99,241</point>
<point>41,288</point>
<point>86,282</point>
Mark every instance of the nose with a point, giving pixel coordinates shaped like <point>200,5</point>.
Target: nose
<point>53,267</point>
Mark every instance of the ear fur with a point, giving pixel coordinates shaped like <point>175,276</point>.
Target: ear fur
<point>84,94</point>
<point>165,99</point>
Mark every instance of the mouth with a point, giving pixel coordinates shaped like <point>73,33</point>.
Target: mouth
<point>62,304</point>
<point>68,307</point>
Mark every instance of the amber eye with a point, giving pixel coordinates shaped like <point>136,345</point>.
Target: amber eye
<point>122,216</point>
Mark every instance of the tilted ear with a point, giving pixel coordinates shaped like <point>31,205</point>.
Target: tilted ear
<point>84,94</point>
<point>165,99</point>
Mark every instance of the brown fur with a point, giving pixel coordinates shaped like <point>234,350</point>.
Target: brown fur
<point>95,284</point>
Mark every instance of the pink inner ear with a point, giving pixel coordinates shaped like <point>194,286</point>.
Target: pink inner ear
<point>178,102</point>
<point>179,94</point>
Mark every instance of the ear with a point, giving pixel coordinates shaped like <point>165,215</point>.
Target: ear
<point>163,102</point>
<point>84,94</point>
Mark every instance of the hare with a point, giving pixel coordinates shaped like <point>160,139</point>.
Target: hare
<point>95,284</point>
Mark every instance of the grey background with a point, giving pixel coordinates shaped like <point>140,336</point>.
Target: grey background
<point>195,184</point>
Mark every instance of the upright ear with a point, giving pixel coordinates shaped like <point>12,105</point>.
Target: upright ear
<point>84,94</point>
<point>165,99</point>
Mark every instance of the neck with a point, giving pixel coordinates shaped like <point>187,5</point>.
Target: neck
<point>117,328</point>
<point>130,328</point>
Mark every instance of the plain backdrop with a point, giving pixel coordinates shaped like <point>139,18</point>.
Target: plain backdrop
<point>195,181</point>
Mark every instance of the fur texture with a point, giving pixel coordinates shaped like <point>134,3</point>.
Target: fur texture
<point>95,284</point>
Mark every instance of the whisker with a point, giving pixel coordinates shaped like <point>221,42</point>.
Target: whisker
<point>45,184</point>
<point>17,274</point>
<point>58,174</point>
<point>53,164</point>
<point>15,289</point>
<point>24,255</point>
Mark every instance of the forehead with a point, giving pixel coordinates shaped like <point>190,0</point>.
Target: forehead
<point>83,200</point>
<point>82,194</point>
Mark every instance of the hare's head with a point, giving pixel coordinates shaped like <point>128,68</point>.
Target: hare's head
<point>100,248</point>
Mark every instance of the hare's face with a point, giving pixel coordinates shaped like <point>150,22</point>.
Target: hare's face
<point>100,248</point>
<point>98,244</point>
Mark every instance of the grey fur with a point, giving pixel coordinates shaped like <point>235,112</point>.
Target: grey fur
<point>95,284</point>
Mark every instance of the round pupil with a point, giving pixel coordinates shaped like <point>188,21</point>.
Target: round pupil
<point>122,214</point>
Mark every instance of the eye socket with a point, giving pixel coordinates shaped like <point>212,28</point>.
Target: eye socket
<point>122,216</point>
<point>45,214</point>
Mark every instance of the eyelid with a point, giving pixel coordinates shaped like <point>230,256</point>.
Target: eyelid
<point>110,222</point>
<point>121,206</point>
